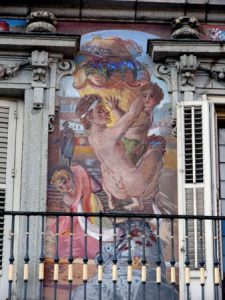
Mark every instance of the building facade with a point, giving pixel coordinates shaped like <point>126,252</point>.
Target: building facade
<point>112,150</point>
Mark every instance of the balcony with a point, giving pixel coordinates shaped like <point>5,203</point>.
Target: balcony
<point>122,259</point>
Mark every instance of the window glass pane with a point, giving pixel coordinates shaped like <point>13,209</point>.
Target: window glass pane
<point>222,171</point>
<point>222,136</point>
<point>223,243</point>
<point>223,228</point>
<point>222,154</point>
<point>222,189</point>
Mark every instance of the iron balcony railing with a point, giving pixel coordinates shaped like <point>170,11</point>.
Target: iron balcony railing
<point>116,260</point>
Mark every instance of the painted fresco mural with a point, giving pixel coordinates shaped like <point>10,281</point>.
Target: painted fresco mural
<point>112,150</point>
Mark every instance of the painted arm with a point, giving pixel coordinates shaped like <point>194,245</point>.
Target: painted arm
<point>113,104</point>
<point>119,129</point>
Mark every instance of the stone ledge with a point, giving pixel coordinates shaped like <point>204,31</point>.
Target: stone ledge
<point>159,50</point>
<point>68,44</point>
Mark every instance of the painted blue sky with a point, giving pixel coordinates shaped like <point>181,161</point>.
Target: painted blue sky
<point>15,22</point>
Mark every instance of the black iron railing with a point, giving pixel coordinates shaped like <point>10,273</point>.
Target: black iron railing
<point>133,255</point>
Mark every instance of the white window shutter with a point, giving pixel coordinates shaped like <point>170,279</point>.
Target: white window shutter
<point>8,110</point>
<point>194,136</point>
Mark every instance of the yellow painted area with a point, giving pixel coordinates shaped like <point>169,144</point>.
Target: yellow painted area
<point>85,150</point>
<point>123,92</point>
<point>170,159</point>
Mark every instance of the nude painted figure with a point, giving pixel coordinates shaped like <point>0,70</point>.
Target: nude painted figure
<point>136,139</point>
<point>122,179</point>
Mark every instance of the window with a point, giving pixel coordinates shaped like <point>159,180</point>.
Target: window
<point>11,122</point>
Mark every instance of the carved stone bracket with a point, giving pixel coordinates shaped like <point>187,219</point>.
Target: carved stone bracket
<point>41,21</point>
<point>7,72</point>
<point>186,28</point>
<point>187,68</point>
<point>40,63</point>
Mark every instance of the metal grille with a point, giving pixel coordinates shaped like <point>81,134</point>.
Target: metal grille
<point>193,144</point>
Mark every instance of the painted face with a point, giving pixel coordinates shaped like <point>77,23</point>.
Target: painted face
<point>63,182</point>
<point>101,115</point>
<point>149,100</point>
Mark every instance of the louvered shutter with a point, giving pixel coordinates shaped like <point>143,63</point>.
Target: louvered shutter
<point>193,175</point>
<point>7,151</point>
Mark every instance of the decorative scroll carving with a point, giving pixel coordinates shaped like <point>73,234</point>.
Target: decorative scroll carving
<point>50,123</point>
<point>7,72</point>
<point>41,21</point>
<point>186,28</point>
<point>65,67</point>
<point>163,71</point>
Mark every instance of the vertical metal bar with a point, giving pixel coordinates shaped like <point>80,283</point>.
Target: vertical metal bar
<point>56,260</point>
<point>114,266</point>
<point>11,258</point>
<point>100,259</point>
<point>158,262</point>
<point>70,259</point>
<point>26,260</point>
<point>172,259</point>
<point>216,261</point>
<point>187,261</point>
<point>41,259</point>
<point>202,262</point>
<point>129,261</point>
<point>85,261</point>
<point>143,261</point>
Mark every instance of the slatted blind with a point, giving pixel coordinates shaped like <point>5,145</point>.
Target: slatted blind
<point>194,206</point>
<point>193,144</point>
<point>194,176</point>
<point>4,124</point>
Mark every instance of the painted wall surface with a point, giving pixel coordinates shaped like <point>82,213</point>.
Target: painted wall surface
<point>112,150</point>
